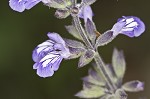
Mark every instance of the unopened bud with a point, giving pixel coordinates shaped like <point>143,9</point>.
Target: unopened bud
<point>61,13</point>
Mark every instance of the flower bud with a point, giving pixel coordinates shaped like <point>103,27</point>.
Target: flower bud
<point>60,14</point>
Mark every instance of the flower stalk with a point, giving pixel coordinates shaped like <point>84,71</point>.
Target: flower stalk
<point>97,58</point>
<point>82,32</point>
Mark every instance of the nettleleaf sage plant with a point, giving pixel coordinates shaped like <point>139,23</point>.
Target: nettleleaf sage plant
<point>104,81</point>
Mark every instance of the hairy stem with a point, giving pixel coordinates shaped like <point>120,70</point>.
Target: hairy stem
<point>82,32</point>
<point>99,62</point>
<point>102,69</point>
<point>74,2</point>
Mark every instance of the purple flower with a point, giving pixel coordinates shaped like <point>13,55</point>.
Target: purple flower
<point>86,13</point>
<point>21,5</point>
<point>49,54</point>
<point>129,25</point>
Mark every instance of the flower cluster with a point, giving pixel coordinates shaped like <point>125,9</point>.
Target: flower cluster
<point>105,80</point>
<point>128,25</point>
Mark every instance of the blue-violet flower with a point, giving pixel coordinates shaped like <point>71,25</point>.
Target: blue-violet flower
<point>49,54</point>
<point>129,25</point>
<point>21,5</point>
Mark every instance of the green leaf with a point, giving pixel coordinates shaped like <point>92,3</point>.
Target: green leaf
<point>91,91</point>
<point>73,31</point>
<point>119,64</point>
<point>133,86</point>
<point>94,78</point>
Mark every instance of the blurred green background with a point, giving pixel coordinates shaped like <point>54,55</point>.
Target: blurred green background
<point>20,33</point>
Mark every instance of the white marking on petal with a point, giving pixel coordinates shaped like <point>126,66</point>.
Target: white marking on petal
<point>133,24</point>
<point>46,43</point>
<point>45,46</point>
<point>127,29</point>
<point>55,59</point>
<point>48,59</point>
<point>123,20</point>
<point>40,49</point>
<point>129,20</point>
<point>46,62</point>
<point>19,1</point>
<point>49,56</point>
<point>47,49</point>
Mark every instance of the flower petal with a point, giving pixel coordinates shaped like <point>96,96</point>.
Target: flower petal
<point>57,63</point>
<point>56,38</point>
<point>86,13</point>
<point>47,65</point>
<point>21,5</point>
<point>140,28</point>
<point>17,5</point>
<point>60,44</point>
<point>117,28</point>
<point>41,50</point>
<point>45,72</point>
<point>31,3</point>
<point>35,66</point>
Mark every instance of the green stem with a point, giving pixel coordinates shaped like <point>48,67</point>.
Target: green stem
<point>80,29</point>
<point>99,62</point>
<point>103,70</point>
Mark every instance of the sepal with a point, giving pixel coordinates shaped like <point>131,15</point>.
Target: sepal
<point>86,58</point>
<point>75,52</point>
<point>74,43</point>
<point>104,39</point>
<point>91,30</point>
<point>76,48</point>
